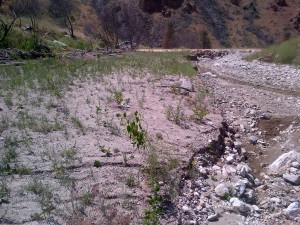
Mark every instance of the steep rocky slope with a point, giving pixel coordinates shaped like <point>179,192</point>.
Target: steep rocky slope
<point>237,23</point>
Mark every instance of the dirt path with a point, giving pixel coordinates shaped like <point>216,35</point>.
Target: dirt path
<point>182,50</point>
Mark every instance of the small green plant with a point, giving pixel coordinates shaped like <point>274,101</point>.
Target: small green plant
<point>43,125</point>
<point>4,123</point>
<point>4,191</point>
<point>159,136</point>
<point>88,101</point>
<point>9,155</point>
<point>37,187</point>
<point>8,170</point>
<point>69,155</point>
<point>8,100</point>
<point>87,198</point>
<point>64,180</point>
<point>125,159</point>
<point>176,115</point>
<point>26,139</point>
<point>112,127</point>
<point>192,170</point>
<point>142,99</point>
<point>118,97</point>
<point>134,128</point>
<point>22,170</point>
<point>97,164</point>
<point>213,178</point>
<point>155,200</point>
<point>78,124</point>
<point>227,197</point>
<point>65,110</point>
<point>130,181</point>
<point>51,104</point>
<point>36,216</point>
<point>198,114</point>
<point>106,151</point>
<point>175,90</point>
<point>43,193</point>
<point>11,141</point>
<point>39,123</point>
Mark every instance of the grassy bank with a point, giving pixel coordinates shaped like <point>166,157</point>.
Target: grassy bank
<point>287,52</point>
<point>54,75</point>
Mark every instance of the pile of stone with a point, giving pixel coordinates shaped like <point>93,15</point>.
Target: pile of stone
<point>11,54</point>
<point>227,185</point>
<point>211,54</point>
<point>219,185</point>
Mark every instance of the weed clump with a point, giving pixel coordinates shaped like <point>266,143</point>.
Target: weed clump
<point>287,52</point>
<point>97,164</point>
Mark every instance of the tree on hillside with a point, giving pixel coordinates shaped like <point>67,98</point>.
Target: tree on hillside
<point>205,40</point>
<point>64,10</point>
<point>108,28</point>
<point>16,8</point>
<point>117,22</point>
<point>135,25</point>
<point>235,2</point>
<point>169,35</point>
<point>33,10</point>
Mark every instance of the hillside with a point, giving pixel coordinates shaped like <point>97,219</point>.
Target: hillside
<point>234,23</point>
<point>244,23</point>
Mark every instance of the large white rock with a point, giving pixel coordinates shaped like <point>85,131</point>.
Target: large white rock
<point>186,84</point>
<point>283,162</point>
<point>293,210</point>
<point>243,169</point>
<point>240,187</point>
<point>239,205</point>
<point>209,74</point>
<point>59,43</point>
<point>293,178</point>
<point>223,189</point>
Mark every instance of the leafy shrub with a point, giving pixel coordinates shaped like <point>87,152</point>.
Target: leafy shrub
<point>287,52</point>
<point>97,164</point>
<point>205,40</point>
<point>21,41</point>
<point>134,128</point>
<point>175,114</point>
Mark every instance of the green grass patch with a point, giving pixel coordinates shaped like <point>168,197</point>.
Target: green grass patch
<point>37,123</point>
<point>20,40</point>
<point>53,76</point>
<point>287,52</point>
<point>78,124</point>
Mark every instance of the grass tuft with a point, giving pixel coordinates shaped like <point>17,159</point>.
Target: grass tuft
<point>287,52</point>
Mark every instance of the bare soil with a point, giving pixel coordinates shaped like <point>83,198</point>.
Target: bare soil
<point>62,161</point>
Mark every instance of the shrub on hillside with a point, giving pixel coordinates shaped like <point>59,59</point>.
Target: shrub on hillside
<point>205,40</point>
<point>235,2</point>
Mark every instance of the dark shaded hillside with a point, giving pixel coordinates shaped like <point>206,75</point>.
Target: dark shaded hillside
<point>231,23</point>
<point>239,23</point>
<point>215,19</point>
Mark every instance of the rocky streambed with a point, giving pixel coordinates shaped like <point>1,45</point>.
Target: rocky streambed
<point>256,178</point>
